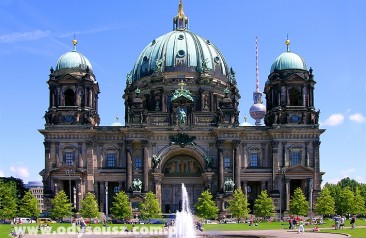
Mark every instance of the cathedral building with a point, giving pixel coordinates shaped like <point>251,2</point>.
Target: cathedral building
<point>181,126</point>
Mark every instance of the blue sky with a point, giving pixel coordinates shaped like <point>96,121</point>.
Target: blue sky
<point>329,35</point>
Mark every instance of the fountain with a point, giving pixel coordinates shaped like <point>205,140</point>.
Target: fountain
<point>184,226</point>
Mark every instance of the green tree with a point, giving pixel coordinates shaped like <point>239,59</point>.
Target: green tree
<point>298,203</point>
<point>263,205</point>
<point>325,203</point>
<point>346,201</point>
<point>89,206</point>
<point>150,208</point>
<point>206,207</point>
<point>60,205</point>
<point>121,206</point>
<point>358,203</point>
<point>8,200</point>
<point>28,206</point>
<point>238,205</point>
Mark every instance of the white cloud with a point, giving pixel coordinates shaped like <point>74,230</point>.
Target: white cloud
<point>24,36</point>
<point>2,173</point>
<point>20,171</point>
<point>357,117</point>
<point>333,120</point>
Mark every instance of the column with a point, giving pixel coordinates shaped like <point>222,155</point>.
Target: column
<point>245,158</point>
<point>287,194</point>
<point>157,182</point>
<point>263,185</point>
<point>245,188</point>
<point>237,164</point>
<point>317,175</point>
<point>129,165</point>
<point>162,99</point>
<point>221,165</point>
<point>307,161</point>
<point>145,145</point>
<point>284,161</point>
<point>90,167</point>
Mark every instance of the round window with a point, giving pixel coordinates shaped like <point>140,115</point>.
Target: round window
<point>180,37</point>
<point>217,59</point>
<point>181,53</point>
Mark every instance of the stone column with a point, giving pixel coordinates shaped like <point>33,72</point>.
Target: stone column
<point>285,162</point>
<point>221,164</point>
<point>129,165</point>
<point>245,158</point>
<point>90,164</point>
<point>317,175</point>
<point>307,162</point>
<point>263,185</point>
<point>287,194</point>
<point>157,182</point>
<point>245,187</point>
<point>145,145</point>
<point>237,164</point>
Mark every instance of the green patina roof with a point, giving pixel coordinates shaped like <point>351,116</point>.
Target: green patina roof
<point>288,60</point>
<point>73,60</point>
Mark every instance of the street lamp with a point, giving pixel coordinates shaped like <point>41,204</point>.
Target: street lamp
<point>74,189</point>
<point>282,173</point>
<point>311,183</point>
<point>70,172</point>
<point>106,201</point>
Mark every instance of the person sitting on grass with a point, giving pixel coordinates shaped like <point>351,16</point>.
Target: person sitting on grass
<point>315,229</point>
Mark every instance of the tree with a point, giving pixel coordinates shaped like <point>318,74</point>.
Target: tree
<point>60,206</point>
<point>238,205</point>
<point>89,206</point>
<point>149,208</point>
<point>8,200</point>
<point>121,206</point>
<point>358,203</point>
<point>206,207</point>
<point>325,204</point>
<point>346,201</point>
<point>28,206</point>
<point>298,203</point>
<point>263,205</point>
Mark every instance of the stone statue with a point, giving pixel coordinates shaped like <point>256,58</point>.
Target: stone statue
<point>208,161</point>
<point>137,185</point>
<point>229,185</point>
<point>156,161</point>
<point>182,116</point>
<point>159,64</point>
<point>128,79</point>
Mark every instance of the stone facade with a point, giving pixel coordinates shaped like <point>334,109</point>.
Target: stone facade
<point>181,126</point>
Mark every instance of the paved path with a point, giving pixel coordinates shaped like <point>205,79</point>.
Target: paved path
<point>257,233</point>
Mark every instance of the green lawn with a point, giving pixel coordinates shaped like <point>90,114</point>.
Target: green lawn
<point>356,233</point>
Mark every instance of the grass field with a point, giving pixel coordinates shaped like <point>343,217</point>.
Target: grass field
<point>356,233</point>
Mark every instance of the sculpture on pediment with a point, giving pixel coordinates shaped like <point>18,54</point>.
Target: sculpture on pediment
<point>156,161</point>
<point>229,185</point>
<point>136,185</point>
<point>208,161</point>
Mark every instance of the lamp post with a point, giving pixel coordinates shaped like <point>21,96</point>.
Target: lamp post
<point>311,183</point>
<point>55,189</point>
<point>74,189</point>
<point>282,173</point>
<point>106,201</point>
<point>70,172</point>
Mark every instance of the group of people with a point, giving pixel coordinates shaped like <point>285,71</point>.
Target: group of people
<point>339,222</point>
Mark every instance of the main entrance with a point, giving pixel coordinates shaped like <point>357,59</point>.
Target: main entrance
<point>177,170</point>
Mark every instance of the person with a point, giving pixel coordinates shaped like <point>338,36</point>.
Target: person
<point>294,223</point>
<point>316,229</point>
<point>336,223</point>
<point>353,222</point>
<point>342,220</point>
<point>301,227</point>
<point>290,224</point>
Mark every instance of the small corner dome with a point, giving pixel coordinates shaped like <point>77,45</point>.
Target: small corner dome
<point>73,60</point>
<point>288,60</point>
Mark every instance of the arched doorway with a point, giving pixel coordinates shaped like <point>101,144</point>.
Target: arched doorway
<point>177,170</point>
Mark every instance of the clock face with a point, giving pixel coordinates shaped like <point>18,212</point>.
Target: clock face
<point>69,118</point>
<point>295,118</point>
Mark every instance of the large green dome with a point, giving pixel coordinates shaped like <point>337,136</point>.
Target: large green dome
<point>180,51</point>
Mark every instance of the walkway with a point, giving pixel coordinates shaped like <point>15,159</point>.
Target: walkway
<point>258,233</point>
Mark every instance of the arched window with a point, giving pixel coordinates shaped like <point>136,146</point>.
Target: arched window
<point>295,97</point>
<point>69,97</point>
<point>254,157</point>
<point>295,153</point>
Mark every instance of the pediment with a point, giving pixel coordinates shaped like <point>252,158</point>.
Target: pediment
<point>299,169</point>
<point>67,77</point>
<point>64,171</point>
<point>296,77</point>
